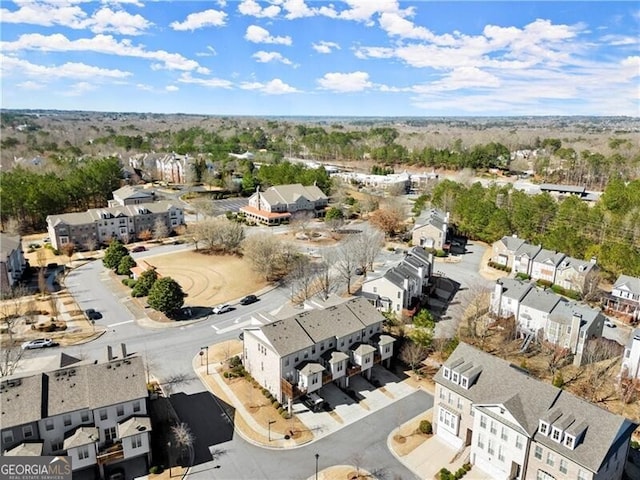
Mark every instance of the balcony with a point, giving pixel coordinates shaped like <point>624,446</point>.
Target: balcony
<point>110,454</point>
<point>290,390</point>
<point>351,371</point>
<point>326,378</point>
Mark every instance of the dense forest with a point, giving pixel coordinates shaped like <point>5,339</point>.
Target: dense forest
<point>608,230</point>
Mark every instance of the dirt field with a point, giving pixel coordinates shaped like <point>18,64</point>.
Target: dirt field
<point>208,279</point>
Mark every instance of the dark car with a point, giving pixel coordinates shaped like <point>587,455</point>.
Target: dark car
<point>248,300</point>
<point>139,248</point>
<point>92,314</point>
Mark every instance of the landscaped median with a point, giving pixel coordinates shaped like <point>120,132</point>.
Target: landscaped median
<point>258,417</point>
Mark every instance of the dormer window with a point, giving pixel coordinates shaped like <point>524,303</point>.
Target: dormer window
<point>446,373</point>
<point>569,441</point>
<point>544,428</point>
<point>556,434</point>
<point>465,382</point>
<point>454,377</point>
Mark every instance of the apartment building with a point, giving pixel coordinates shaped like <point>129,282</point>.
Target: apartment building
<point>129,195</point>
<point>526,429</point>
<point>299,354</point>
<point>280,203</point>
<point>94,413</point>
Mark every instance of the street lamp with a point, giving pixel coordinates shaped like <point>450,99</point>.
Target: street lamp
<point>317,457</point>
<point>169,455</point>
<point>271,422</point>
<point>207,349</point>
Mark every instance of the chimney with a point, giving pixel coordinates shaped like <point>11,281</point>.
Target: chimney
<point>496,299</point>
<point>109,353</point>
<point>123,347</point>
<point>405,284</point>
<point>594,260</point>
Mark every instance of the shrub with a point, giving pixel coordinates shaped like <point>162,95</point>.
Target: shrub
<point>635,445</point>
<point>284,414</point>
<point>235,361</point>
<point>467,466</point>
<point>440,253</point>
<point>281,409</point>
<point>522,276</point>
<point>426,427</point>
<point>156,469</point>
<point>444,474</point>
<point>225,374</point>
<point>276,404</point>
<point>558,380</point>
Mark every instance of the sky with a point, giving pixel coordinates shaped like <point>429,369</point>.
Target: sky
<point>320,58</point>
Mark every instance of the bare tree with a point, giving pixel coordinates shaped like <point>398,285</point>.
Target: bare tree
<point>599,349</point>
<point>68,249</point>
<point>268,255</point>
<point>412,354</point>
<point>302,221</point>
<point>218,234</point>
<point>476,299</point>
<point>346,259</point>
<point>301,278</point>
<point>42,282</point>
<point>629,389</point>
<point>125,238</point>
<point>368,242</point>
<point>90,244</point>
<point>324,276</point>
<point>13,226</point>
<point>145,235</point>
<point>184,440</point>
<point>556,356</point>
<point>591,289</point>
<point>390,217</point>
<point>160,229</point>
<point>11,353</point>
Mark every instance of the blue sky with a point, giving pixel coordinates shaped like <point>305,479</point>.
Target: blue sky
<point>338,58</point>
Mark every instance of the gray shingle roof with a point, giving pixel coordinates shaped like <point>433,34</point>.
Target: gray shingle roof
<point>70,389</point>
<point>541,300</point>
<point>632,283</point>
<point>287,336</point>
<point>580,266</point>
<point>291,193</point>
<point>549,257</point>
<point>128,192</point>
<point>82,436</point>
<point>515,289</point>
<point>564,311</point>
<point>95,214</point>
<point>25,450</point>
<point>8,244</point>
<point>528,250</point>
<point>133,426</point>
<point>310,368</point>
<point>530,400</point>
<point>419,253</point>
<point>363,349</point>
<point>511,243</point>
<point>335,356</point>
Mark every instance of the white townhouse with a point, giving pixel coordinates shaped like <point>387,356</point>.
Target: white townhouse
<point>94,413</point>
<point>432,230</point>
<point>526,429</point>
<point>401,288</point>
<point>301,353</point>
<point>503,251</point>
<point>545,265</point>
<point>523,258</point>
<point>506,297</point>
<point>577,275</point>
<point>535,308</point>
<point>631,356</point>
<point>12,261</point>
<point>625,297</point>
<point>281,202</point>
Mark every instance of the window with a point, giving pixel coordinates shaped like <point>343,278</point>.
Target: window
<point>538,452</point>
<point>48,424</point>
<point>66,419</point>
<point>465,382</point>
<point>563,465</point>
<point>7,437</point>
<point>518,442</point>
<point>441,394</point>
<point>490,449</point>
<point>459,403</point>
<point>136,441</point>
<point>136,406</point>
<point>569,441</point>
<point>83,452</point>
<point>286,362</point>
<point>483,421</point>
<point>544,428</point>
<point>110,434</point>
<point>493,427</point>
<point>57,445</point>
<point>84,416</point>
<point>120,410</point>
<point>556,433</point>
<point>450,399</point>
<point>504,435</point>
<point>500,453</point>
<point>454,377</point>
<point>27,431</point>
<point>103,414</point>
<point>582,475</point>
<point>542,475</point>
<point>480,441</point>
<point>448,421</point>
<point>551,459</point>
<point>446,373</point>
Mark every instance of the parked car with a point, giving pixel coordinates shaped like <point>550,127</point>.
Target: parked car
<point>38,343</point>
<point>248,300</point>
<point>92,314</point>
<point>609,324</point>
<point>139,248</point>
<point>222,308</point>
<point>313,402</point>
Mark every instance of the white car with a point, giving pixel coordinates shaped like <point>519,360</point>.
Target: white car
<point>38,343</point>
<point>609,324</point>
<point>222,308</point>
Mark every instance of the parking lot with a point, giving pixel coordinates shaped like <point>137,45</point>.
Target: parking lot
<point>229,204</point>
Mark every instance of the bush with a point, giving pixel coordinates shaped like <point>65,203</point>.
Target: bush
<point>276,404</point>
<point>426,427</point>
<point>284,414</point>
<point>522,276</point>
<point>444,474</point>
<point>543,283</point>
<point>558,380</point>
<point>235,361</point>
<point>498,266</point>
<point>281,409</point>
<point>156,469</point>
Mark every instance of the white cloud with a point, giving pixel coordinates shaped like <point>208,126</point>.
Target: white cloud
<point>206,18</point>
<point>171,88</point>
<point>48,13</point>
<point>345,82</point>
<point>107,20</point>
<point>364,10</point>
<point>266,57</point>
<point>137,3</point>
<point>258,34</point>
<point>31,85</point>
<point>105,44</point>
<point>205,82</point>
<point>325,47</point>
<point>70,70</point>
<point>253,9</point>
<point>620,40</point>
<point>273,87</point>
<point>211,52</point>
<point>78,89</point>
<point>464,77</point>
<point>299,9</point>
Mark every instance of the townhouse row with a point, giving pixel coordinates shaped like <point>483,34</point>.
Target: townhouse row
<point>94,413</point>
<point>298,354</point>
<point>526,429</point>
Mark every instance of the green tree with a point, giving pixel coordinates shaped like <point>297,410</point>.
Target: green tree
<point>144,283</point>
<point>166,295</point>
<point>125,265</point>
<point>114,253</point>
<point>423,328</point>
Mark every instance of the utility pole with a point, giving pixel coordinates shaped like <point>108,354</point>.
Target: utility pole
<point>207,358</point>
